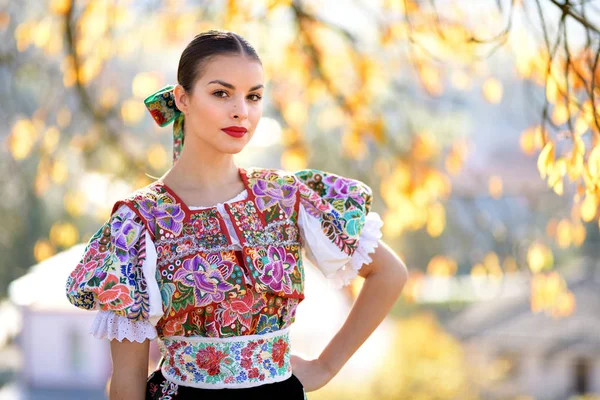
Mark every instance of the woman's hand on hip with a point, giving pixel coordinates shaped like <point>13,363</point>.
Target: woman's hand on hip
<point>313,374</point>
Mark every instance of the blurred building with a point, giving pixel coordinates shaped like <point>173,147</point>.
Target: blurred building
<point>519,352</point>
<point>60,360</point>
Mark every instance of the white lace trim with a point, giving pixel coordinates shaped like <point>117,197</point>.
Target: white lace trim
<point>368,242</point>
<point>112,326</point>
<point>338,267</point>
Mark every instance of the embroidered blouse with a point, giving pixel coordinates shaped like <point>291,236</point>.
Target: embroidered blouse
<point>160,268</point>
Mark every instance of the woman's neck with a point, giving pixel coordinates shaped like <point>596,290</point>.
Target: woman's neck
<point>204,169</point>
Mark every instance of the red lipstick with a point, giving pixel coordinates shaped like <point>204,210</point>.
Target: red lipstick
<point>235,131</point>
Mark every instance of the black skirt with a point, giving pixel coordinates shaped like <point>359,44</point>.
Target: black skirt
<point>158,388</point>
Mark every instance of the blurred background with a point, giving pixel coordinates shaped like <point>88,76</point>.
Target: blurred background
<point>476,123</point>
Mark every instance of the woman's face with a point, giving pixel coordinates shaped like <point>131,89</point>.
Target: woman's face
<point>228,94</point>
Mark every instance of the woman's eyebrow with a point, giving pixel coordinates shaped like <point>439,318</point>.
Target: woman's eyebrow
<point>230,86</point>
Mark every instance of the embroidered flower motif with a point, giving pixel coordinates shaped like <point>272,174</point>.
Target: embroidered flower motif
<point>88,266</point>
<point>247,351</point>
<point>312,202</point>
<point>165,210</point>
<point>173,326</point>
<point>289,312</point>
<point>277,271</point>
<point>128,272</point>
<point>355,220</point>
<point>210,358</point>
<point>270,193</point>
<point>239,309</point>
<point>190,367</point>
<point>228,362</point>
<point>332,225</point>
<point>267,324</point>
<point>279,351</point>
<point>253,373</point>
<point>206,277</point>
<point>246,363</point>
<point>206,224</point>
<point>125,235</point>
<point>338,187</point>
<point>112,294</point>
<point>158,116</point>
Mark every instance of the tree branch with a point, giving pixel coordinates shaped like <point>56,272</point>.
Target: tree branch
<point>568,10</point>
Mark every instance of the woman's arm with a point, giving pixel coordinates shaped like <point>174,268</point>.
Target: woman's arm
<point>384,277</point>
<point>130,370</point>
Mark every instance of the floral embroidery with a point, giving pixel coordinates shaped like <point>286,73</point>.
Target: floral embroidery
<point>109,276</point>
<point>173,325</point>
<point>126,233</point>
<point>232,363</point>
<point>162,108</point>
<point>289,312</point>
<point>208,278</point>
<point>267,323</point>
<point>159,209</point>
<point>279,192</point>
<point>171,249</point>
<point>158,388</point>
<point>240,309</point>
<point>112,295</point>
<point>276,272</point>
<point>337,187</point>
<point>206,288</point>
<point>169,217</point>
<point>312,202</point>
<point>168,390</point>
<point>341,203</point>
<point>209,359</point>
<point>247,221</point>
<point>206,228</point>
<point>92,261</point>
<point>279,350</point>
<point>355,221</point>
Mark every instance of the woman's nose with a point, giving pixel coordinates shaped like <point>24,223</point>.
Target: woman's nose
<point>240,109</point>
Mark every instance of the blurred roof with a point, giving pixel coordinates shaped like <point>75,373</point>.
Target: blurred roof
<point>43,287</point>
<point>507,323</point>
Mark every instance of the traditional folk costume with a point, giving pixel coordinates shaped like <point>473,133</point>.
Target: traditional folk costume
<point>219,285</point>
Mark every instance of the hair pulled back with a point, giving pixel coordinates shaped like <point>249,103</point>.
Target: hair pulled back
<point>205,46</point>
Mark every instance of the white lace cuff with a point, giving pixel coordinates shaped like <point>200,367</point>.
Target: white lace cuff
<point>338,267</point>
<point>109,325</point>
<point>368,242</point>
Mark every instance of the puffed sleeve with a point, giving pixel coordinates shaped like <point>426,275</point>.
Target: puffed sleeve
<point>337,228</point>
<point>117,276</point>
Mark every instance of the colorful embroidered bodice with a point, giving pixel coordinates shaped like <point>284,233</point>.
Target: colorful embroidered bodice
<point>207,287</point>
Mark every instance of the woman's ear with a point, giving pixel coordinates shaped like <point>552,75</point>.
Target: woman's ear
<point>181,98</point>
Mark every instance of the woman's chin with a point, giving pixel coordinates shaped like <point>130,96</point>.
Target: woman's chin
<point>232,145</point>
<point>232,149</point>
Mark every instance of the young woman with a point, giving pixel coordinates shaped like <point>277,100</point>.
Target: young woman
<point>209,257</point>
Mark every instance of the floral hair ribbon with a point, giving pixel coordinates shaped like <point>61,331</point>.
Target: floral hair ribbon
<point>161,105</point>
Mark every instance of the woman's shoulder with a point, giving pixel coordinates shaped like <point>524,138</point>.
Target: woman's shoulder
<point>152,193</point>
<point>143,203</point>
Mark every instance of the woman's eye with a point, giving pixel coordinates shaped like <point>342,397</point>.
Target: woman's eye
<point>223,94</point>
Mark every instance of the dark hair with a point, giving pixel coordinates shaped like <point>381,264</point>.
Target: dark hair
<point>206,46</point>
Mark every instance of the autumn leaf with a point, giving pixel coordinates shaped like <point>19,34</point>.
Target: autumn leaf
<point>545,159</point>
